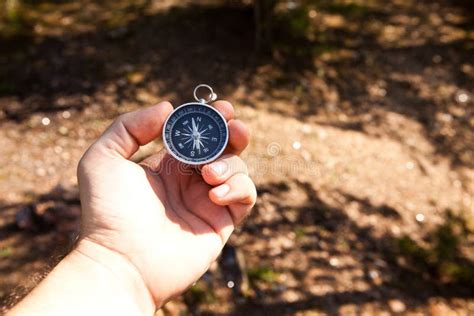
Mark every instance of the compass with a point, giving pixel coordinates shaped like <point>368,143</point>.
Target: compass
<point>195,133</point>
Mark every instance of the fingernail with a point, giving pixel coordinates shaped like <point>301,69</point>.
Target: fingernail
<point>221,190</point>
<point>218,167</point>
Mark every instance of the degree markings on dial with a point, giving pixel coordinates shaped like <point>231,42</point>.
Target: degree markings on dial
<point>196,133</point>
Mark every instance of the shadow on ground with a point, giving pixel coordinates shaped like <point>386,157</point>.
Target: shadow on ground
<point>347,75</point>
<point>348,66</point>
<point>393,267</point>
<point>34,236</point>
<point>172,50</point>
<point>399,268</point>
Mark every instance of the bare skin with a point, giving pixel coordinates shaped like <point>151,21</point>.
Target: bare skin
<point>149,230</point>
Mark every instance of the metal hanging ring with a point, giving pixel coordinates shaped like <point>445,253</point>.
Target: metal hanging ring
<point>212,96</point>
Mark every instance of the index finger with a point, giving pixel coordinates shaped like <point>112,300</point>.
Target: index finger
<point>238,131</point>
<point>225,108</point>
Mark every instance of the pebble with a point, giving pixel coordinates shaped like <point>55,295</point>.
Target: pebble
<point>375,276</point>
<point>437,59</point>
<point>333,262</point>
<point>63,130</point>
<point>461,96</point>
<point>45,121</point>
<point>397,306</point>
<point>290,296</point>
<point>420,217</point>
<point>291,5</point>
<point>296,145</point>
<point>312,13</point>
<point>66,114</point>
<point>41,172</point>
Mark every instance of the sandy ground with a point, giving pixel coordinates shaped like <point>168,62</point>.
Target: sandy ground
<point>355,147</point>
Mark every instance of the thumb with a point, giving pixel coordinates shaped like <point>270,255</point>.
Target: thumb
<point>132,130</point>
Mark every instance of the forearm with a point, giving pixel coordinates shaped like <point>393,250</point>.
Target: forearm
<point>89,281</point>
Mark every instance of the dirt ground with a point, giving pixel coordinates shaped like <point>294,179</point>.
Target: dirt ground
<point>362,147</point>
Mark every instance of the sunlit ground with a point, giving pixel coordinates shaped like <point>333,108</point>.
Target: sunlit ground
<point>363,129</point>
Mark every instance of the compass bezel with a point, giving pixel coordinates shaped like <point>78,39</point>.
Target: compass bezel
<point>191,162</point>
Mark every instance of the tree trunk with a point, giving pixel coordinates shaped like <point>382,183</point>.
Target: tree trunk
<point>263,12</point>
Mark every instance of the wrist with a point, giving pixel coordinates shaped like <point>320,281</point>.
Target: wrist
<point>123,275</point>
<point>91,280</point>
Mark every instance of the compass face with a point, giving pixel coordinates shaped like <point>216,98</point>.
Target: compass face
<point>195,133</point>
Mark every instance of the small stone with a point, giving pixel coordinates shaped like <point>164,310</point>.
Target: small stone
<point>122,82</point>
<point>420,217</point>
<point>41,172</point>
<point>333,262</point>
<point>312,14</point>
<point>45,121</point>
<point>63,130</point>
<point>437,59</point>
<point>61,101</point>
<point>290,296</point>
<point>396,306</point>
<point>66,114</point>
<point>291,5</point>
<point>135,77</point>
<point>296,145</point>
<point>375,276</point>
<point>461,96</point>
<point>444,117</point>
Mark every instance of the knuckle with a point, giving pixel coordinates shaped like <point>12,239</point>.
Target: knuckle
<point>83,162</point>
<point>121,118</point>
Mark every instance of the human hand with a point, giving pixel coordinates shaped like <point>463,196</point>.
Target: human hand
<point>163,218</point>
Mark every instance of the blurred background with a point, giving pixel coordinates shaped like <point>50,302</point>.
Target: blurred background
<point>362,117</point>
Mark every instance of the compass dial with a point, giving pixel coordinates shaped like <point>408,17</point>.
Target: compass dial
<point>195,133</point>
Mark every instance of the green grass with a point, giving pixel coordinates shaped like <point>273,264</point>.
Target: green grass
<point>6,252</point>
<point>442,257</point>
<point>262,274</point>
<point>201,294</point>
<point>12,19</point>
<point>300,232</point>
<point>12,10</point>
